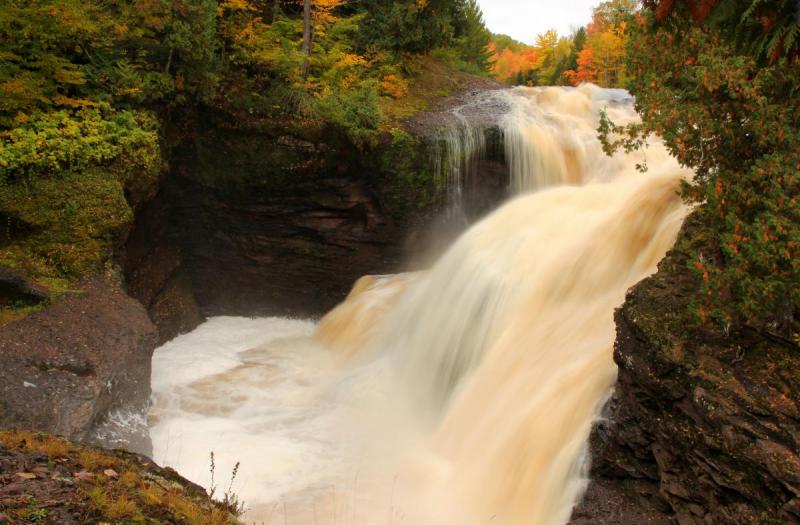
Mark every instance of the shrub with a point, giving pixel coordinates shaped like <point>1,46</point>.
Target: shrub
<point>355,111</point>
<point>72,178</point>
<point>735,119</point>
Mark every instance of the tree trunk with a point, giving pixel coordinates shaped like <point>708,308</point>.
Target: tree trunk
<point>306,36</point>
<point>169,60</point>
<point>276,9</point>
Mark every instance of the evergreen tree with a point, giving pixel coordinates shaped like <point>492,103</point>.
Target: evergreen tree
<point>474,45</point>
<point>578,43</point>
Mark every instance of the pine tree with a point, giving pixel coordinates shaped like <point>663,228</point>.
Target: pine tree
<point>475,45</point>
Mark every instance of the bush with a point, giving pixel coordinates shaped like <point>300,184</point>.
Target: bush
<point>65,176</point>
<point>735,119</point>
<point>355,111</point>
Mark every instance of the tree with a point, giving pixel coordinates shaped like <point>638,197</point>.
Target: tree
<point>512,61</point>
<point>600,58</point>
<point>728,106</point>
<point>307,35</point>
<point>608,54</point>
<point>612,13</point>
<point>578,43</point>
<point>764,29</point>
<point>586,70</point>
<point>474,45</point>
<point>413,26</point>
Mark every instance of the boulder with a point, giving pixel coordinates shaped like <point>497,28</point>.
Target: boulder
<point>81,368</point>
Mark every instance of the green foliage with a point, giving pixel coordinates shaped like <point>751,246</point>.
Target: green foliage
<point>503,42</point>
<point>474,41</point>
<point>408,25</point>
<point>578,43</point>
<point>736,121</point>
<point>65,176</point>
<point>33,513</point>
<point>51,143</point>
<point>763,29</point>
<point>411,26</point>
<point>356,111</point>
<point>94,92</point>
<point>69,53</point>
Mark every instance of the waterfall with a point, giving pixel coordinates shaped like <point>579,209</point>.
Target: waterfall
<point>456,145</point>
<point>550,135</point>
<point>461,395</point>
<point>467,134</point>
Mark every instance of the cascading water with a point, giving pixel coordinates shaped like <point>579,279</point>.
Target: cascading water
<point>460,395</point>
<point>456,145</point>
<point>551,135</point>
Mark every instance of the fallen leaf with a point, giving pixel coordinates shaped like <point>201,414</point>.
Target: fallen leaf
<point>26,475</point>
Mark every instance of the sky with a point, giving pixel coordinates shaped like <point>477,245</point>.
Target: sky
<point>524,19</point>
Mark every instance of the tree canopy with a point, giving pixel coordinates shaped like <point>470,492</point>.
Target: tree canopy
<point>726,101</point>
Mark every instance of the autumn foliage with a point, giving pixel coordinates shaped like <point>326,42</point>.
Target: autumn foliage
<point>602,59</point>
<point>511,59</point>
<point>729,109</point>
<point>94,94</point>
<point>594,53</point>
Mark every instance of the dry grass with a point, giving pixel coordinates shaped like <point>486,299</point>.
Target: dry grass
<point>129,479</point>
<point>54,447</point>
<point>93,459</point>
<point>140,493</point>
<point>122,508</point>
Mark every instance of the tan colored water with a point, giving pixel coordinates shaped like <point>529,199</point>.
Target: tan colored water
<point>462,395</point>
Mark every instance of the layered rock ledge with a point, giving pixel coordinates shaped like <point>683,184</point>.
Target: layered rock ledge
<point>706,424</point>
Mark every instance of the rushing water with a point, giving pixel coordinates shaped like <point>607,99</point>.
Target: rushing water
<point>461,395</point>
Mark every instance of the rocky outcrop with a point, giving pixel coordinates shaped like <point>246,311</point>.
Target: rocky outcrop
<point>80,368</point>
<point>283,254</point>
<point>620,502</point>
<point>709,421</point>
<point>283,221</point>
<point>46,479</point>
<point>155,276</point>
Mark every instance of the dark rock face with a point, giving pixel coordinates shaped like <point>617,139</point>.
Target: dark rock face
<point>293,253</point>
<point>14,288</point>
<point>617,502</point>
<point>275,222</point>
<point>80,368</point>
<point>711,420</point>
<point>152,262</point>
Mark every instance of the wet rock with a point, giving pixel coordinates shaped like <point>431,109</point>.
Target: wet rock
<point>711,418</point>
<point>155,276</point>
<point>283,221</point>
<point>74,367</point>
<point>619,502</point>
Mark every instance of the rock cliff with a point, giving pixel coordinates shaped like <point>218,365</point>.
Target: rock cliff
<point>282,221</point>
<point>704,421</point>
